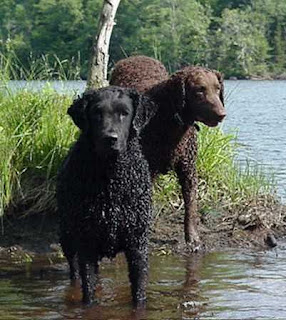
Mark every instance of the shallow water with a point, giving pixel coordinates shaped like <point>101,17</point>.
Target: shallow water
<point>221,285</point>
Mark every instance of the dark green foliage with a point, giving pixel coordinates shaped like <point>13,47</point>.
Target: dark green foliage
<point>174,32</point>
<point>241,46</point>
<point>63,28</point>
<point>219,5</point>
<point>274,14</point>
<point>240,37</point>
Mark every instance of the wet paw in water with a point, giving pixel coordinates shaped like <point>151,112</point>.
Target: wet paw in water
<point>270,240</point>
<point>195,247</point>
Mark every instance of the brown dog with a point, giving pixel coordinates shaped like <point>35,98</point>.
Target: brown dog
<point>169,140</point>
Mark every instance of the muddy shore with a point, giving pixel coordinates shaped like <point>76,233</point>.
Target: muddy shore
<point>255,226</point>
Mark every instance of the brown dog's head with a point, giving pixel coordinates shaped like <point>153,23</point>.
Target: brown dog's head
<point>199,95</point>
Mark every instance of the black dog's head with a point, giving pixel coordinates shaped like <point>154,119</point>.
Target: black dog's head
<point>109,116</point>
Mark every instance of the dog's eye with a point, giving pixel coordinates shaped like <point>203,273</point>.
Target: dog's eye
<point>218,89</point>
<point>123,114</point>
<point>200,91</point>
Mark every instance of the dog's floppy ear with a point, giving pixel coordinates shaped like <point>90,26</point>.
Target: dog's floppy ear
<point>177,86</point>
<point>78,109</point>
<point>220,79</point>
<point>144,110</point>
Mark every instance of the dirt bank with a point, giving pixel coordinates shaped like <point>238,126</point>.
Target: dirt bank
<point>256,225</point>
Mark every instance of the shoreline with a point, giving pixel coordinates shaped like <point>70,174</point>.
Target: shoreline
<point>254,228</point>
<point>258,78</point>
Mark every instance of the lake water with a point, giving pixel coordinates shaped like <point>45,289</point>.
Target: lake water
<point>218,286</point>
<point>256,110</point>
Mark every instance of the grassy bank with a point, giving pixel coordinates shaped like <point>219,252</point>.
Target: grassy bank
<point>224,184</point>
<point>35,135</point>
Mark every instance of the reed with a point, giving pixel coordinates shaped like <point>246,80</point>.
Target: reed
<point>223,180</point>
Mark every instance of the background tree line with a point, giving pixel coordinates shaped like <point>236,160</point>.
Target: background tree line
<point>239,37</point>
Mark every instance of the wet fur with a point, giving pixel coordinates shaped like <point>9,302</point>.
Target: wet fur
<point>169,141</point>
<point>104,202</point>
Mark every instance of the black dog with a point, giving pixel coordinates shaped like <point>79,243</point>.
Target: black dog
<point>104,188</point>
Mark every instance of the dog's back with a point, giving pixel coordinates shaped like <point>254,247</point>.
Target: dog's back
<point>138,72</point>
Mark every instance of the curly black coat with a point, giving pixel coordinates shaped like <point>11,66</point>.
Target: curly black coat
<point>104,199</point>
<point>169,141</point>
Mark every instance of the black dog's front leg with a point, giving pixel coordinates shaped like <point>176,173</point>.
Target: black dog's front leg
<point>69,248</point>
<point>88,273</point>
<point>138,273</point>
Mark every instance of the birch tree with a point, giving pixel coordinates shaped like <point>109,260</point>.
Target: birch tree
<point>97,75</point>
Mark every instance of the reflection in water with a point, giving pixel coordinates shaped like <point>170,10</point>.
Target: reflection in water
<point>221,285</point>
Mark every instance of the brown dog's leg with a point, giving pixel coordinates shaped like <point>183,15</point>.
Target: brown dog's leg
<point>191,220</point>
<point>185,167</point>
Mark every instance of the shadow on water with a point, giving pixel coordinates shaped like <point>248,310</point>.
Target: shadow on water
<point>220,285</point>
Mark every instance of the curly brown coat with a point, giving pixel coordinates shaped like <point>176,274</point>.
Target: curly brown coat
<point>169,141</point>
<point>139,72</point>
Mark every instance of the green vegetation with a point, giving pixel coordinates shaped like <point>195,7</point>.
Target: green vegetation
<point>239,37</point>
<point>223,183</point>
<point>42,68</point>
<point>36,134</point>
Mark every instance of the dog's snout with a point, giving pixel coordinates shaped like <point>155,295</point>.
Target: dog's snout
<point>219,110</point>
<point>111,138</point>
<point>222,116</point>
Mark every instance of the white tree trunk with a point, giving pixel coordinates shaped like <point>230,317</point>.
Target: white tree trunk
<point>97,75</point>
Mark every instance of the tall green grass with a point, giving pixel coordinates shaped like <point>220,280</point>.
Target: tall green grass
<point>223,182</point>
<point>36,133</point>
<point>43,67</point>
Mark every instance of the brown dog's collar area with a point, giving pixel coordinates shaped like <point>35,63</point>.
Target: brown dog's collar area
<point>181,123</point>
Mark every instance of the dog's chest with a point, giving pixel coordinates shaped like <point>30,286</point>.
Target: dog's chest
<point>115,205</point>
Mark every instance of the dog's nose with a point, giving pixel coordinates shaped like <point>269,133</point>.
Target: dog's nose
<point>221,116</point>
